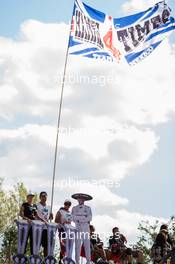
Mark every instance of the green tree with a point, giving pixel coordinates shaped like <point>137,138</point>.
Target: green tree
<point>2,202</point>
<point>10,203</point>
<point>148,233</point>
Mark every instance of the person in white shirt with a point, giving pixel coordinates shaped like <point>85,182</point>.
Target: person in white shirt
<point>44,214</point>
<point>82,217</point>
<point>64,219</point>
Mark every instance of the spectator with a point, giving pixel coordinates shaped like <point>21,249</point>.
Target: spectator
<point>44,214</point>
<point>28,212</point>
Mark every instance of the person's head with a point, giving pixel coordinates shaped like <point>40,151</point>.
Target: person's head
<point>67,204</point>
<point>30,197</point>
<point>92,229</point>
<point>164,226</point>
<point>81,200</point>
<point>43,197</point>
<point>115,231</point>
<point>164,232</point>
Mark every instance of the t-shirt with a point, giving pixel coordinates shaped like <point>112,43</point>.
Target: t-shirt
<point>43,212</point>
<point>66,216</point>
<point>119,240</point>
<point>29,210</point>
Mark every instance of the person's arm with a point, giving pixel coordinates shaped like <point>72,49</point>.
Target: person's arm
<point>124,240</point>
<point>39,216</point>
<point>21,213</point>
<point>82,218</point>
<point>58,218</point>
<point>89,217</point>
<point>51,216</point>
<point>169,240</point>
<point>110,242</point>
<point>76,218</point>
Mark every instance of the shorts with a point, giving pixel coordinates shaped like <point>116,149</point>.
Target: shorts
<point>44,238</point>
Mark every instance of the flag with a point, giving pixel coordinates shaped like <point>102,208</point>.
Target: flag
<point>92,34</point>
<point>99,36</point>
<point>140,34</point>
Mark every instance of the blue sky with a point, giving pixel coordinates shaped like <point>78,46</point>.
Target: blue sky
<point>13,13</point>
<point>149,185</point>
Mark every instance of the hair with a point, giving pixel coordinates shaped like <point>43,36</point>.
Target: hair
<point>164,226</point>
<point>115,228</point>
<point>67,202</point>
<point>92,227</point>
<point>41,193</point>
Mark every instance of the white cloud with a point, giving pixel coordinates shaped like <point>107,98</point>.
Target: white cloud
<point>127,222</point>
<point>117,108</point>
<point>32,67</point>
<point>108,147</point>
<point>134,6</point>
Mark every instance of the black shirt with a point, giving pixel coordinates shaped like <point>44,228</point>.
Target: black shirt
<point>120,240</point>
<point>161,240</point>
<point>95,240</point>
<point>30,210</point>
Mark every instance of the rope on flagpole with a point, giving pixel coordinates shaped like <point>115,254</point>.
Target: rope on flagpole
<point>58,122</point>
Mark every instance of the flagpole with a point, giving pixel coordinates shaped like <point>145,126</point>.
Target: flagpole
<point>59,120</point>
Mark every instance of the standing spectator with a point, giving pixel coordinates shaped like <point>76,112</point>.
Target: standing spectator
<point>162,245</point>
<point>44,214</point>
<point>28,212</point>
<point>64,219</point>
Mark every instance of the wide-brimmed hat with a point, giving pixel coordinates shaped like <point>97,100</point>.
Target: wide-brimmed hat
<point>84,196</point>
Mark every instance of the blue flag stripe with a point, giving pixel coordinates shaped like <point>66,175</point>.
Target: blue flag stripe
<point>98,54</point>
<point>132,56</point>
<point>128,20</point>
<point>79,52</point>
<point>152,12</point>
<point>95,14</point>
<point>160,32</point>
<point>72,42</point>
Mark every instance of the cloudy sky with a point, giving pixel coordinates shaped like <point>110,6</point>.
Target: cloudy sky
<point>118,123</point>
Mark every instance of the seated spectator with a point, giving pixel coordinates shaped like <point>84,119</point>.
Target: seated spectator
<point>117,247</point>
<point>97,251</point>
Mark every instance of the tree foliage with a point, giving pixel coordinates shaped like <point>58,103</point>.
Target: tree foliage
<point>10,203</point>
<point>148,233</point>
